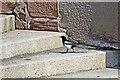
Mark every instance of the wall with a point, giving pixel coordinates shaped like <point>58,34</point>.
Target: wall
<point>90,22</point>
<point>95,23</point>
<point>33,15</point>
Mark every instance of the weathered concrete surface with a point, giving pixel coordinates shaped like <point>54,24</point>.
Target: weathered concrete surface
<point>91,19</point>
<point>25,42</point>
<point>99,74</point>
<point>112,58</point>
<point>53,63</point>
<point>7,23</point>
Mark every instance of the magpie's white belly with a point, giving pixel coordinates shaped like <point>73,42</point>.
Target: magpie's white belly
<point>68,46</point>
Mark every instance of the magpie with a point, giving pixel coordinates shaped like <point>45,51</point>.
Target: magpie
<point>68,44</point>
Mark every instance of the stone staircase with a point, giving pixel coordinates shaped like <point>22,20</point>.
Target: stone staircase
<point>25,42</point>
<point>35,54</point>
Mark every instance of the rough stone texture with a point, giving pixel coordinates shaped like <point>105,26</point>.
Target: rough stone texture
<point>53,64</point>
<point>105,20</point>
<point>7,6</point>
<point>112,58</point>
<point>76,18</point>
<point>97,20</point>
<point>26,42</point>
<point>38,25</point>
<point>101,74</point>
<point>43,9</point>
<point>7,23</point>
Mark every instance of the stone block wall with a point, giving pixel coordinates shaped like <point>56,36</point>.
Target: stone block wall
<point>33,15</point>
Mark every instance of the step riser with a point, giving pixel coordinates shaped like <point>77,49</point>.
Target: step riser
<point>7,23</point>
<point>55,66</point>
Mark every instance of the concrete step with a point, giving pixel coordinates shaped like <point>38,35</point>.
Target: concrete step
<point>52,63</point>
<point>26,42</point>
<point>101,73</point>
<point>7,23</point>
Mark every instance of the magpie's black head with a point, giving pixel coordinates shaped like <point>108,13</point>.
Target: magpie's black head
<point>63,38</point>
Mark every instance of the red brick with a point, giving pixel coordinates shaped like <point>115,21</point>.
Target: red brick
<point>38,25</point>
<point>22,16</point>
<point>45,28</point>
<point>43,9</point>
<point>7,7</point>
<point>19,24</point>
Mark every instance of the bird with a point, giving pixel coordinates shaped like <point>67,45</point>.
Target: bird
<point>68,44</point>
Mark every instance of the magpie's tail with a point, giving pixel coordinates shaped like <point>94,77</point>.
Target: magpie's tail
<point>95,47</point>
<point>85,47</point>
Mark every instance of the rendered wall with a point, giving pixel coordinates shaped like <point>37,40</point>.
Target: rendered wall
<point>92,22</point>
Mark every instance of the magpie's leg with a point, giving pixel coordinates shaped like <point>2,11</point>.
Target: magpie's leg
<point>67,51</point>
<point>73,50</point>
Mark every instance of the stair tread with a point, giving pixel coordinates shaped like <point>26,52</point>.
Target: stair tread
<point>53,62</point>
<point>23,35</point>
<point>55,54</point>
<point>101,73</point>
<point>28,41</point>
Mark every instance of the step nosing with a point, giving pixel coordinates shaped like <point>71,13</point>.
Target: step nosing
<point>27,40</point>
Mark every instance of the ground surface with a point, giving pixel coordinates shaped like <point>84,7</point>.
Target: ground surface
<point>103,73</point>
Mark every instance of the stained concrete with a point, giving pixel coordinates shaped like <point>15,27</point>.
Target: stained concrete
<point>25,42</point>
<point>112,58</point>
<point>101,74</point>
<point>53,63</point>
<point>7,23</point>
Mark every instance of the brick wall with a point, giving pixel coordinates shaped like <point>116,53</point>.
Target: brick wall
<point>33,15</point>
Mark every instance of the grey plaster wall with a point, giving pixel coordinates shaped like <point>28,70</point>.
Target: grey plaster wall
<point>105,20</point>
<point>76,18</point>
<point>90,19</point>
